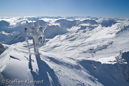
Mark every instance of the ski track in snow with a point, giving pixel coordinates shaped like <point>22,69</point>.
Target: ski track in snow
<point>77,52</point>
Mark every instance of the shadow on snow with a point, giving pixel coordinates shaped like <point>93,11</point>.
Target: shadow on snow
<point>45,73</point>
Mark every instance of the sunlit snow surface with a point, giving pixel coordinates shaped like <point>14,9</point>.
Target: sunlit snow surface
<point>78,51</point>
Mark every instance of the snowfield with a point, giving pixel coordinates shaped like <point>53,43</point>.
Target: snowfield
<point>79,51</point>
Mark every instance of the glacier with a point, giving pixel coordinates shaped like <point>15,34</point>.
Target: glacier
<point>78,51</point>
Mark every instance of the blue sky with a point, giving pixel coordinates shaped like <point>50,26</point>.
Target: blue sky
<point>95,8</point>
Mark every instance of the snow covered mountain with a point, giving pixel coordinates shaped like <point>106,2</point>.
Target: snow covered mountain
<point>79,51</point>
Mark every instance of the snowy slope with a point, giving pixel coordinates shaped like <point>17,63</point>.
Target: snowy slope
<point>77,52</point>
